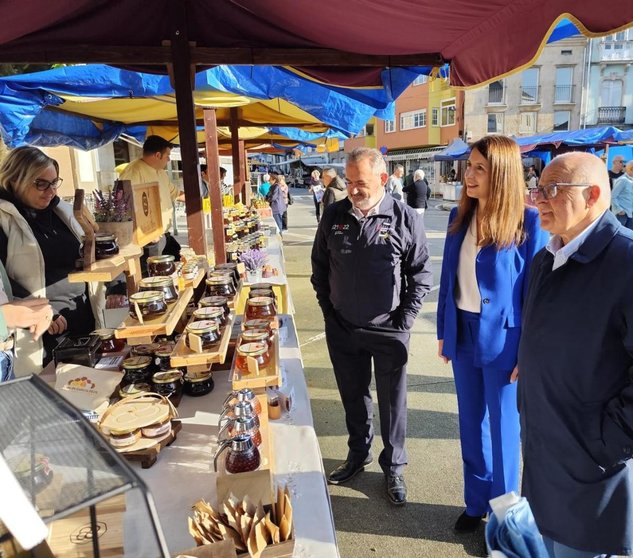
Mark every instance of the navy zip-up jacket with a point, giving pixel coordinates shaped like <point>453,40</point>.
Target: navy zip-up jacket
<point>576,395</point>
<point>375,272</point>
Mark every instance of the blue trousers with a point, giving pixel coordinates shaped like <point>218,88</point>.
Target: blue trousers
<point>489,428</point>
<point>558,550</point>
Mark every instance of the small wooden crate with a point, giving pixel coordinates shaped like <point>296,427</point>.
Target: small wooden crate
<point>109,268</point>
<point>183,357</point>
<point>258,485</point>
<point>269,376</point>
<point>139,334</point>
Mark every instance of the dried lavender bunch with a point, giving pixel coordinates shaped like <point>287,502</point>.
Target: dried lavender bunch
<point>111,206</point>
<point>253,259</point>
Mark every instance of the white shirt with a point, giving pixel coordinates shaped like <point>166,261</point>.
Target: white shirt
<point>562,252</point>
<point>467,296</point>
<point>373,211</point>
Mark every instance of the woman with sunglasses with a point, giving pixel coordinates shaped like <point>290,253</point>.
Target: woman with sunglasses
<point>491,240</point>
<point>39,244</point>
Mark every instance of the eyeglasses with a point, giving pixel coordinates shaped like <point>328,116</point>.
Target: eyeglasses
<point>43,185</point>
<point>549,191</point>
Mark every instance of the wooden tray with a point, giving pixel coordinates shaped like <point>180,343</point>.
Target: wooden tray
<point>196,280</point>
<point>149,456</point>
<point>270,376</point>
<point>138,334</point>
<point>183,356</point>
<point>258,485</point>
<point>108,269</point>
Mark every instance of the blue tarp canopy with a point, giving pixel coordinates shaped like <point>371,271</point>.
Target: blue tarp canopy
<point>624,136</point>
<point>458,150</point>
<point>585,137</point>
<point>61,106</point>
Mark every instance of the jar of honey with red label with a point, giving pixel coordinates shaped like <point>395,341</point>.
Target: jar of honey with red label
<point>260,307</point>
<point>251,353</point>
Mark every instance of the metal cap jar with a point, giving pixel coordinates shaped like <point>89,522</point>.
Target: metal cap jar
<point>161,265</point>
<point>206,330</point>
<point>150,304</point>
<point>252,357</point>
<point>262,307</point>
<point>137,369</point>
<point>105,246</point>
<point>160,283</point>
<point>212,313</point>
<point>221,286</point>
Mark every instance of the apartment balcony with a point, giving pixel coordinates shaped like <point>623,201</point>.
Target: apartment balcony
<point>563,94</point>
<point>616,51</point>
<point>611,115</point>
<point>530,94</point>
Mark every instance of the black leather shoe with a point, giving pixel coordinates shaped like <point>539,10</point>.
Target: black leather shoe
<point>467,523</point>
<point>396,490</point>
<point>348,470</point>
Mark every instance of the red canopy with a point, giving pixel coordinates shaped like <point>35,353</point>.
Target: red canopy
<point>481,39</point>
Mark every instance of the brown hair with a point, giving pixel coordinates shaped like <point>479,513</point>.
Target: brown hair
<point>21,167</point>
<point>502,219</point>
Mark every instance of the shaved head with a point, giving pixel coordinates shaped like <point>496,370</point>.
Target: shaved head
<point>586,168</point>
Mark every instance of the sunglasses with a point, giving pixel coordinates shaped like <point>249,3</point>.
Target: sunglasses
<point>43,185</point>
<point>549,191</point>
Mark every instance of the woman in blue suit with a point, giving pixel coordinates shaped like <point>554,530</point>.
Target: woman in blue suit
<point>491,240</point>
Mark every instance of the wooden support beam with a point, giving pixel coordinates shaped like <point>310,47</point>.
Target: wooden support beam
<point>184,86</point>
<point>215,195</point>
<point>237,151</point>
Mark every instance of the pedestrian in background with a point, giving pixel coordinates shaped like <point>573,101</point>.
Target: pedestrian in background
<point>370,271</point>
<point>418,192</point>
<point>278,204</point>
<point>491,241</point>
<point>281,181</point>
<point>335,188</point>
<point>622,197</point>
<point>394,184</point>
<point>264,187</point>
<point>316,187</point>
<point>575,362</point>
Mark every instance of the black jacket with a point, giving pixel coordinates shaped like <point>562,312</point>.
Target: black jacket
<point>417,194</point>
<point>374,273</point>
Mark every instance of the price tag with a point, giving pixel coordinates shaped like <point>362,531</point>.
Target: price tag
<point>206,206</point>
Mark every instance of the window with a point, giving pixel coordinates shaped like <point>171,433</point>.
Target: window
<point>495,93</point>
<point>527,123</point>
<point>561,120</point>
<point>420,80</point>
<point>611,93</point>
<point>529,86</point>
<point>495,123</point>
<point>447,109</point>
<point>390,126</point>
<point>563,88</point>
<point>413,119</point>
<point>435,117</point>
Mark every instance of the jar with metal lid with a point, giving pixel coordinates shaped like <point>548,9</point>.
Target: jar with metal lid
<point>249,354</point>
<point>221,286</point>
<point>259,324</point>
<point>231,266</point>
<point>150,304</point>
<point>253,293</point>
<point>216,302</point>
<point>255,336</point>
<point>137,369</point>
<point>160,283</point>
<point>241,425</point>
<point>223,273</point>
<point>242,456</point>
<point>109,343</point>
<point>189,271</point>
<point>197,384</point>
<point>261,307</point>
<point>105,246</point>
<point>212,313</point>
<point>162,356</point>
<point>208,333</point>
<point>161,265</point>
<point>133,389</point>
<point>168,383</point>
<point>231,252</point>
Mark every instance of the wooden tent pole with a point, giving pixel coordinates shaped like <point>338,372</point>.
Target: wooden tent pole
<point>237,151</point>
<point>215,195</point>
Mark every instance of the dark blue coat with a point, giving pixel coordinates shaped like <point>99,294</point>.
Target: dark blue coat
<point>502,279</point>
<point>575,393</point>
<point>376,273</point>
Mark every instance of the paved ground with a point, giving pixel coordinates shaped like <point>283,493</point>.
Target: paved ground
<point>366,523</point>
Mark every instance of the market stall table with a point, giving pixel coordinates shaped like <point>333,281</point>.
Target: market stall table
<point>184,473</point>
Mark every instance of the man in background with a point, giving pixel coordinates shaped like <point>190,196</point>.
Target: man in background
<point>394,184</point>
<point>335,188</point>
<point>617,169</point>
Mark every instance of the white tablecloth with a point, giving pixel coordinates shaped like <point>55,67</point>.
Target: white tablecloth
<point>184,473</point>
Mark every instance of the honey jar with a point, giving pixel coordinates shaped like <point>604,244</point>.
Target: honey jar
<point>160,283</point>
<point>133,389</point>
<point>105,246</point>
<point>251,353</point>
<point>161,265</point>
<point>162,356</point>
<point>255,336</point>
<point>150,304</point>
<point>212,313</point>
<point>259,324</point>
<point>168,383</point>
<point>217,302</point>
<point>261,307</point>
<point>109,343</point>
<point>207,331</point>
<point>232,266</point>
<point>197,384</point>
<point>221,286</point>
<point>137,369</point>
<point>255,293</point>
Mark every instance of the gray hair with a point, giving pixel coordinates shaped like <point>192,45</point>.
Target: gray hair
<point>418,175</point>
<point>266,177</point>
<point>21,168</point>
<point>331,172</point>
<point>375,158</point>
<point>399,167</point>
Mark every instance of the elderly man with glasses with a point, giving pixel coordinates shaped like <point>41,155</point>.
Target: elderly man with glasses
<point>575,361</point>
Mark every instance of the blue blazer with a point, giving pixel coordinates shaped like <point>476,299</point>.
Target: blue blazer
<point>503,278</point>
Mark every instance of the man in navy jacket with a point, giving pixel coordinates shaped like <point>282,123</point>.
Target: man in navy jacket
<point>370,271</point>
<point>575,359</point>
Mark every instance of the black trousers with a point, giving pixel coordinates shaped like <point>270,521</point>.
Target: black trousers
<point>352,351</point>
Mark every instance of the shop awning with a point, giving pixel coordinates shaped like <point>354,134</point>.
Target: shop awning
<point>584,137</point>
<point>414,154</point>
<point>458,150</point>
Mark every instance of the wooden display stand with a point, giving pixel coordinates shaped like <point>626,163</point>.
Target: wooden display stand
<point>148,457</point>
<point>259,379</point>
<point>139,334</point>
<point>258,485</point>
<point>184,357</point>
